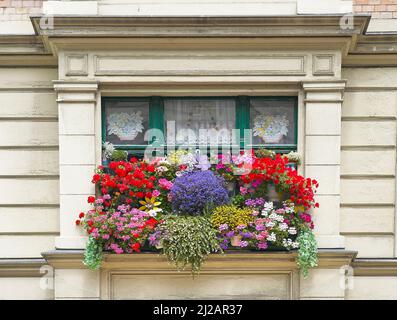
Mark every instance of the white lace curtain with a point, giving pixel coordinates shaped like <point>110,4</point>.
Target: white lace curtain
<point>199,121</point>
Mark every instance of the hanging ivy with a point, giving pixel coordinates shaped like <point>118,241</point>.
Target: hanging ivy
<point>93,254</point>
<point>307,253</point>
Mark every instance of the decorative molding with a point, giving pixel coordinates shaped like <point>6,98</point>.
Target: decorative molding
<point>375,267</point>
<point>73,86</point>
<point>25,51</point>
<point>21,268</point>
<point>200,64</point>
<point>292,32</point>
<point>328,258</point>
<point>198,26</point>
<point>324,86</point>
<point>323,65</point>
<point>76,65</point>
<point>373,59</point>
<point>76,91</point>
<point>274,284</point>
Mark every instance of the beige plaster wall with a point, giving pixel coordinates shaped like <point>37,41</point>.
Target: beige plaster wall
<point>29,170</point>
<point>368,161</point>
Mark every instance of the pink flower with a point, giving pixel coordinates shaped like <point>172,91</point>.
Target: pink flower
<point>262,245</point>
<point>155,193</point>
<point>118,250</point>
<point>164,183</point>
<point>243,190</point>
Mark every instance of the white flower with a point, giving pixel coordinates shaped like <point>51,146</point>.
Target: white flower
<point>292,230</point>
<point>289,207</point>
<point>271,237</point>
<point>245,158</point>
<point>276,217</point>
<point>283,226</point>
<point>270,224</point>
<point>161,169</point>
<point>268,206</point>
<point>153,213</point>
<point>295,244</point>
<point>108,149</point>
<point>188,159</point>
<point>294,156</point>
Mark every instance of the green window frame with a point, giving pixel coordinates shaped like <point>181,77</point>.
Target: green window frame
<point>242,116</point>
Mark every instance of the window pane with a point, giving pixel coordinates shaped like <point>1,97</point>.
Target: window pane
<point>126,122</point>
<point>199,121</point>
<point>272,121</point>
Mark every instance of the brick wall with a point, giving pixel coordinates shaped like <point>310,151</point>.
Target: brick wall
<point>379,9</point>
<point>19,9</point>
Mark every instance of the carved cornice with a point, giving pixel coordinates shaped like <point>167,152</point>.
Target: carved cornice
<point>309,32</point>
<point>375,267</point>
<point>25,50</point>
<point>209,26</point>
<point>22,267</point>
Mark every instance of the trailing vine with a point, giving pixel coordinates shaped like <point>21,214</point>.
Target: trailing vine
<point>187,240</point>
<point>93,254</point>
<point>307,253</point>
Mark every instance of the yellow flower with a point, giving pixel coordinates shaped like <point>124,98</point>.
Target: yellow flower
<point>150,205</point>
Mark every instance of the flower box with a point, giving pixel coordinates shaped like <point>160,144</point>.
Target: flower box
<point>185,207</point>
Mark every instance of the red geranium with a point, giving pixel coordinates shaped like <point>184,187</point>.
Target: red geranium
<point>136,247</point>
<point>300,189</point>
<point>126,182</point>
<point>91,199</point>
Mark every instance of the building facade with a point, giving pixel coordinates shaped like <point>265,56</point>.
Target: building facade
<point>60,66</point>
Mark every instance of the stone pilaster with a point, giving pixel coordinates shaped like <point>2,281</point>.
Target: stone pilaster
<point>323,103</point>
<point>76,106</point>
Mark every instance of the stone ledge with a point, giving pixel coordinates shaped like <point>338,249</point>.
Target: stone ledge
<point>237,260</point>
<point>374,267</point>
<point>21,267</point>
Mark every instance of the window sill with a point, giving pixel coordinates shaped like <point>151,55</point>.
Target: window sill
<point>243,259</point>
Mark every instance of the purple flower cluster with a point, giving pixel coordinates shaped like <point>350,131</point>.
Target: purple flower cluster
<point>192,191</point>
<point>256,202</point>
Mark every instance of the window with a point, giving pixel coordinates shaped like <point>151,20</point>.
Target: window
<point>198,121</point>
<point>185,120</point>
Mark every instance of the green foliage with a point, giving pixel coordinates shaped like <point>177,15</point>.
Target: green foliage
<point>307,253</point>
<point>93,254</point>
<point>232,216</point>
<point>188,240</point>
<point>119,155</point>
<point>238,200</point>
<point>264,153</point>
